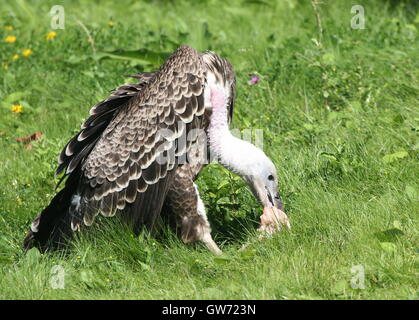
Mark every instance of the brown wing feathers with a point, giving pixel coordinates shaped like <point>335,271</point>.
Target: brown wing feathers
<point>114,164</point>
<point>122,171</point>
<point>100,117</point>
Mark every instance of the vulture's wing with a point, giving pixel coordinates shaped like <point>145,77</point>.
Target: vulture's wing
<point>101,115</point>
<point>125,168</point>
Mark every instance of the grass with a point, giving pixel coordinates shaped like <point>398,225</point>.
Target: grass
<point>340,121</point>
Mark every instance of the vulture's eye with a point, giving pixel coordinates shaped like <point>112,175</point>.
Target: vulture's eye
<point>271,178</point>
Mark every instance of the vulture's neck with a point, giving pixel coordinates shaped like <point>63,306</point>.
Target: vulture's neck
<point>233,153</point>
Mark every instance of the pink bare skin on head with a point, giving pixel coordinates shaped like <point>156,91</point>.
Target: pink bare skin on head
<point>218,99</point>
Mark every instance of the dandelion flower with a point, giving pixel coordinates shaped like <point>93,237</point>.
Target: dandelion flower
<point>51,35</point>
<point>110,23</point>
<point>17,108</point>
<point>8,28</point>
<point>15,57</point>
<point>27,52</point>
<point>10,39</point>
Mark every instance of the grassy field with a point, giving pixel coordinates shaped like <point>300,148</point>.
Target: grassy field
<point>339,113</point>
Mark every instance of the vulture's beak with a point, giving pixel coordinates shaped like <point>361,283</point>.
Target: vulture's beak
<point>273,216</point>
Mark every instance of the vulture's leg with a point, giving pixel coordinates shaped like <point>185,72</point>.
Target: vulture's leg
<point>203,229</point>
<point>186,205</point>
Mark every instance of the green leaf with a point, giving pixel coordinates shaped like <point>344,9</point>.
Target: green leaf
<point>86,276</point>
<point>224,200</point>
<point>328,156</point>
<point>333,115</point>
<point>389,235</point>
<point>389,158</point>
<point>142,56</point>
<point>222,260</point>
<point>257,2</point>
<point>73,59</point>
<point>328,58</point>
<point>248,254</point>
<point>356,105</point>
<point>315,64</point>
<point>340,287</point>
<point>144,266</point>
<point>33,256</point>
<point>308,126</point>
<point>411,192</point>
<point>222,184</point>
<point>397,224</point>
<point>388,246</point>
<point>398,119</point>
<point>332,82</point>
<point>412,27</point>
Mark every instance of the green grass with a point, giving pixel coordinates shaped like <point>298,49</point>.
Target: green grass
<point>340,122</point>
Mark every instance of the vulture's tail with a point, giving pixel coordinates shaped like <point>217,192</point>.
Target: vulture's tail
<point>52,228</point>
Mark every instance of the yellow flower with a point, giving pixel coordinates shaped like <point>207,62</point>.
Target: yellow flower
<point>10,39</point>
<point>17,108</point>
<point>110,23</point>
<point>27,52</point>
<point>8,28</point>
<point>15,57</point>
<point>51,35</point>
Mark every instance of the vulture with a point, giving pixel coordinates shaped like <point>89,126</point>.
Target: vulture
<point>140,150</point>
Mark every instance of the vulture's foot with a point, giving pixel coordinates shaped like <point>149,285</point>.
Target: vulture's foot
<point>211,245</point>
<point>272,220</point>
<point>197,228</point>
